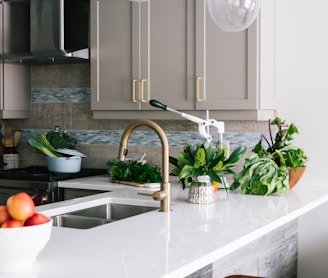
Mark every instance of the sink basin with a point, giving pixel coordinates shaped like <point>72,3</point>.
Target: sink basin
<point>98,215</point>
<point>78,222</point>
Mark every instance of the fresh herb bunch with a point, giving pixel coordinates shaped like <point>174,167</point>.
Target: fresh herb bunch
<point>280,148</point>
<point>196,161</point>
<point>61,140</point>
<point>133,170</point>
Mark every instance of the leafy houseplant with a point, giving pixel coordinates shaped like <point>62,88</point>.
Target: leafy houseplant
<point>281,149</point>
<point>268,170</point>
<point>196,161</point>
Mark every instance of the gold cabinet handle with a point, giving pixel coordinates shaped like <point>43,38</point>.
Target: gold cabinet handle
<point>142,89</point>
<point>198,79</point>
<point>134,82</point>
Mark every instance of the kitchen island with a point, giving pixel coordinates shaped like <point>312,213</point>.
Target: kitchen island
<point>156,244</point>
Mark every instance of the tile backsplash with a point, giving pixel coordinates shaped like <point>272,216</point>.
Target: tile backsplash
<point>61,97</point>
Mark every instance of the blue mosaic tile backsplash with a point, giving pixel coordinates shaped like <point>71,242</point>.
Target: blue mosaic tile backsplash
<point>150,138</point>
<point>138,138</point>
<point>61,95</point>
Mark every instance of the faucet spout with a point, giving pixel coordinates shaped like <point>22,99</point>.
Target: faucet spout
<point>164,195</point>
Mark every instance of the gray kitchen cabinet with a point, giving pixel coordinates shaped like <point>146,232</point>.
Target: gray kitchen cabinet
<point>235,71</point>
<point>170,63</point>
<point>15,79</point>
<point>15,91</point>
<point>172,51</point>
<point>138,52</point>
<point>111,55</point>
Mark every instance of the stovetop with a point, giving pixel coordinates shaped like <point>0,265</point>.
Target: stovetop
<point>41,173</point>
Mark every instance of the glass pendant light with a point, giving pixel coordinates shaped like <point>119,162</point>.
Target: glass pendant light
<point>233,15</point>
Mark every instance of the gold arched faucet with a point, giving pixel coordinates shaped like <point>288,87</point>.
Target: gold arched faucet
<point>164,195</point>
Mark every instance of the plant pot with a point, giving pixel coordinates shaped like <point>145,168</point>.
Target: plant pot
<point>295,175</point>
<point>201,191</point>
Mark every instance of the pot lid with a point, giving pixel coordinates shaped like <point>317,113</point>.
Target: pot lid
<point>70,152</point>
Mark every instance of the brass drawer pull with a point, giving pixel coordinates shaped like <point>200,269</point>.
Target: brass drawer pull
<point>198,80</point>
<point>143,81</point>
<point>134,82</point>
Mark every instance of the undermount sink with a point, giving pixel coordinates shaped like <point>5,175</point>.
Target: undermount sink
<point>99,215</point>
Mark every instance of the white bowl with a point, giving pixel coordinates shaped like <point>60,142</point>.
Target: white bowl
<point>20,246</point>
<point>70,164</point>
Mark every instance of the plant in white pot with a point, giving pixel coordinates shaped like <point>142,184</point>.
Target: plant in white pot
<point>275,167</point>
<point>198,168</point>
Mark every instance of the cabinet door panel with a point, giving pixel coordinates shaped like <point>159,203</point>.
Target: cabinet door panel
<point>223,65</point>
<point>170,53</point>
<point>111,62</point>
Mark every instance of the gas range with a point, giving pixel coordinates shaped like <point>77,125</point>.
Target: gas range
<point>41,173</point>
<point>38,182</point>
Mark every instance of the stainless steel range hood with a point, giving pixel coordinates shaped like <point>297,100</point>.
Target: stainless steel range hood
<point>60,28</point>
<point>59,32</point>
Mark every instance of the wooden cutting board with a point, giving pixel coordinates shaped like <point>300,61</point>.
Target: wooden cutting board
<point>131,183</point>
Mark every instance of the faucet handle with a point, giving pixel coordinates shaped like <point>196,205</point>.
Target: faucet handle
<point>145,194</point>
<point>157,195</point>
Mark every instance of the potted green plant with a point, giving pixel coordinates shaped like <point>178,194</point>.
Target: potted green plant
<point>198,167</point>
<point>274,167</point>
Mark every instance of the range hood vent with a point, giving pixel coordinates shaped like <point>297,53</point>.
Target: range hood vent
<point>59,32</point>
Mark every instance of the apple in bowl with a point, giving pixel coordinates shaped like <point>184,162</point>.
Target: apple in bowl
<point>23,233</point>
<point>36,219</point>
<point>4,214</point>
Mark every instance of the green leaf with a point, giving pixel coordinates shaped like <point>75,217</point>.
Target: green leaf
<point>186,171</point>
<point>236,155</point>
<point>173,161</point>
<point>42,147</point>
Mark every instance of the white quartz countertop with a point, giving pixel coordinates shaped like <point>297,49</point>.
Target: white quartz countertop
<point>101,183</point>
<point>157,244</point>
<point>94,183</point>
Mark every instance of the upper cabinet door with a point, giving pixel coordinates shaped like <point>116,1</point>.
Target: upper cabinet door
<point>222,65</point>
<point>111,55</point>
<point>228,65</point>
<point>15,79</point>
<point>170,54</point>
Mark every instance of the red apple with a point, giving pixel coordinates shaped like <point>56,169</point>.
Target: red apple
<point>20,206</point>
<point>4,215</point>
<point>37,200</point>
<point>12,223</point>
<point>36,219</point>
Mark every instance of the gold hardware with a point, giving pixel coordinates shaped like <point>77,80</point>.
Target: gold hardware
<point>164,195</point>
<point>143,81</point>
<point>157,195</point>
<point>145,194</point>
<point>134,82</point>
<point>198,98</point>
